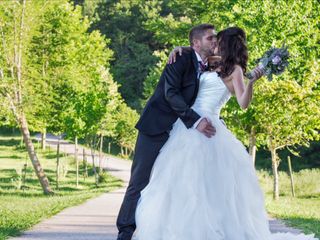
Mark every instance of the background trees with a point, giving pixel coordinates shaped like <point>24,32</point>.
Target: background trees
<point>55,74</point>
<point>122,21</point>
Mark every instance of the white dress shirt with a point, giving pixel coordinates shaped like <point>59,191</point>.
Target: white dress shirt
<point>199,60</point>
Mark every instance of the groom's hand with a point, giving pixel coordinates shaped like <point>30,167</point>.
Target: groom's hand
<point>206,128</point>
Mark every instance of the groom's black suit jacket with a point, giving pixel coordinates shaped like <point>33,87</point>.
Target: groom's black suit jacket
<point>173,97</point>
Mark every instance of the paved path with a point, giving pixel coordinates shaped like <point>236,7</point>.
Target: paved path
<point>95,219</point>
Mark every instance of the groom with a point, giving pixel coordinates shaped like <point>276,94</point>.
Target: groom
<point>175,94</point>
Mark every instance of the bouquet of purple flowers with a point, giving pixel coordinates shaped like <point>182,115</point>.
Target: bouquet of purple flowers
<point>273,61</point>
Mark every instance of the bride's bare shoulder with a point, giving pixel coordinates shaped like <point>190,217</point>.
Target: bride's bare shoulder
<point>237,70</point>
<point>237,74</point>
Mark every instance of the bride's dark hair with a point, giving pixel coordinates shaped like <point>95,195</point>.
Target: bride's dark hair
<point>232,48</point>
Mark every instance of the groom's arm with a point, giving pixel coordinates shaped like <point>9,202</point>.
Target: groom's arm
<point>173,75</point>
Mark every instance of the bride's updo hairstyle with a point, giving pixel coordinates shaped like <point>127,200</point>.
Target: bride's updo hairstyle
<point>232,48</point>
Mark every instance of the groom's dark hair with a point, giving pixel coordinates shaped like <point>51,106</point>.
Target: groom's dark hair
<point>198,31</point>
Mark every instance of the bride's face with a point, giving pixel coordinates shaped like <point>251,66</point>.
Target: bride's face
<point>216,50</point>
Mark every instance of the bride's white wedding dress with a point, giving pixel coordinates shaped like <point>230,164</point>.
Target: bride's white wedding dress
<point>204,189</point>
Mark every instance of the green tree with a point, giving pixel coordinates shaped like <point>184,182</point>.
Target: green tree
<point>17,22</point>
<point>126,133</point>
<point>287,114</point>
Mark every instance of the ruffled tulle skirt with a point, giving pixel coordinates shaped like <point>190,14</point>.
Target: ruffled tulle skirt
<point>204,189</point>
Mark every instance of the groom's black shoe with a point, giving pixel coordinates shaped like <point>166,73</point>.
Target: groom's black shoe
<point>124,236</point>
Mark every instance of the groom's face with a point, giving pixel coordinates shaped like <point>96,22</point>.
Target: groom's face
<point>208,42</point>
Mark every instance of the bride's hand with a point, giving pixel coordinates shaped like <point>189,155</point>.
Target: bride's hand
<point>256,73</point>
<point>175,51</point>
<point>173,54</point>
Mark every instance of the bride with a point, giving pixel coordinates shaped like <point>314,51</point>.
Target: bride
<point>206,188</point>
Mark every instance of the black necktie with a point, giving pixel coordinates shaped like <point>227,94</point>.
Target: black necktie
<point>202,68</point>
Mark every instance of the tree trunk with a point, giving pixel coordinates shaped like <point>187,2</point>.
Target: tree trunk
<point>43,139</point>
<point>85,165</point>
<point>58,164</point>
<point>33,156</point>
<point>109,147</point>
<point>94,167</point>
<point>252,145</point>
<point>77,162</point>
<point>100,153</point>
<point>275,165</point>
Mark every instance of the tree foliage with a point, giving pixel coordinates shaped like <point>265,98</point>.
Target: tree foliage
<point>122,21</point>
<point>55,74</point>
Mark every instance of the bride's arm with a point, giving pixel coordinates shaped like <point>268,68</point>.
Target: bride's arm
<point>244,93</point>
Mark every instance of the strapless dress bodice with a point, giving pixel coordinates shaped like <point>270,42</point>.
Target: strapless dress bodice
<point>212,95</point>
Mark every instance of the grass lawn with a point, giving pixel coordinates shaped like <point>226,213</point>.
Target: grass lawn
<point>303,211</point>
<point>22,204</point>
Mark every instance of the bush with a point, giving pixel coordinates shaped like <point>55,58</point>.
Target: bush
<point>103,177</point>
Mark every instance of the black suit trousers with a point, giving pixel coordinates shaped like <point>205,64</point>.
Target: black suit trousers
<point>146,151</point>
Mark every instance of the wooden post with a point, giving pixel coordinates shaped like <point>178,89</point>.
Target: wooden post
<point>24,176</point>
<point>291,177</point>
<point>77,162</point>
<point>43,139</point>
<point>85,165</point>
<point>275,164</point>
<point>58,164</point>
<point>109,147</point>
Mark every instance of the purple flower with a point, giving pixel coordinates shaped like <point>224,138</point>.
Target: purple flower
<point>276,60</point>
<point>273,62</point>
